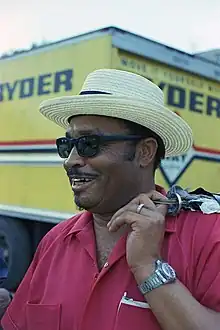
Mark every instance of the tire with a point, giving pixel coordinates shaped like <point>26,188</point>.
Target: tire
<point>14,233</point>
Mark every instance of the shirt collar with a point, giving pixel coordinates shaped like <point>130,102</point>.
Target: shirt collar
<point>80,222</point>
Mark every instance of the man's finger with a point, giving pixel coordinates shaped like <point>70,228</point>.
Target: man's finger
<point>134,209</point>
<point>130,218</point>
<point>125,218</point>
<point>147,200</point>
<point>154,196</point>
<point>149,197</point>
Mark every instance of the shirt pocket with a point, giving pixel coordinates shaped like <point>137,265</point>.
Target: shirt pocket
<point>43,317</point>
<point>133,315</point>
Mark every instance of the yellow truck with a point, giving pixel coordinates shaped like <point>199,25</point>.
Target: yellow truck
<point>34,191</point>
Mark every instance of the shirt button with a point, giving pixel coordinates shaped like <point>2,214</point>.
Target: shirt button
<point>106,265</point>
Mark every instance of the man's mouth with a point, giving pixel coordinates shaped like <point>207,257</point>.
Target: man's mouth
<point>81,183</point>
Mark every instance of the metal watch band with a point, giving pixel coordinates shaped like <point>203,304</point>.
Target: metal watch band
<point>158,278</point>
<point>151,283</point>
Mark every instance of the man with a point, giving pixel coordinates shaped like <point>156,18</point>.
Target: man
<point>121,264</point>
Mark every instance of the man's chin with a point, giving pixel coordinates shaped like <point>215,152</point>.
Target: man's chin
<point>83,203</point>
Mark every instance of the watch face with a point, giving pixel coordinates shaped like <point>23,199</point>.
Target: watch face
<point>168,270</point>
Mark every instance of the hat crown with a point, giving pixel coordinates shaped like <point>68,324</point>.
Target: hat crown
<point>123,83</point>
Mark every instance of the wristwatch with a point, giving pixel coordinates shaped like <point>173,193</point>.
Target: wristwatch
<point>163,274</point>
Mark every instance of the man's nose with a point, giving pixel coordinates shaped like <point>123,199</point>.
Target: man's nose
<point>74,160</point>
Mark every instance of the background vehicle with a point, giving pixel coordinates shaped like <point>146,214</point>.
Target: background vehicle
<point>34,193</point>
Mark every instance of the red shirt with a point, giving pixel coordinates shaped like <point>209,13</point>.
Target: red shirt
<point>63,289</point>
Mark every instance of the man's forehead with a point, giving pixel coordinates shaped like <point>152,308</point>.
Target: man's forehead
<point>81,131</point>
<point>93,124</point>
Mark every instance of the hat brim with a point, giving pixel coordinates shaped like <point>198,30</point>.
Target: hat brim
<point>175,132</point>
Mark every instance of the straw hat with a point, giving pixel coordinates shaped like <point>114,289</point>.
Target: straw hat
<point>121,94</point>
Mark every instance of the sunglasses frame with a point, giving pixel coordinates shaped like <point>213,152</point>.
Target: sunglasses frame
<point>100,140</point>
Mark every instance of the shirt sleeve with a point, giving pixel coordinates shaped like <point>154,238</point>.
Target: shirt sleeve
<point>207,268</point>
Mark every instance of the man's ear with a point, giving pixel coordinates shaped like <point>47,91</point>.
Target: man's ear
<point>147,149</point>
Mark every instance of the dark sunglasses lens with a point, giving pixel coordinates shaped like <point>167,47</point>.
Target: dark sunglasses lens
<point>64,147</point>
<point>88,146</point>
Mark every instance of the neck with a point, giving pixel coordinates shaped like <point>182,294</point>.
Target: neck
<point>104,238</point>
<point>101,220</point>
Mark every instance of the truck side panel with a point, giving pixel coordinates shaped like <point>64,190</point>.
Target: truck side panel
<point>195,99</point>
<point>31,173</point>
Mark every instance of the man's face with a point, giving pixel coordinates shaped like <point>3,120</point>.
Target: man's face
<point>107,181</point>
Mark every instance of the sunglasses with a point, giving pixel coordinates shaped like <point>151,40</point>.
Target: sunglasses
<point>89,145</point>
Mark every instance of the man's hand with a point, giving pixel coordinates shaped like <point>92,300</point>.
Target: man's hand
<point>147,230</point>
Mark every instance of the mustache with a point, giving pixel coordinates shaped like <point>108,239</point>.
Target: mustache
<point>75,172</point>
